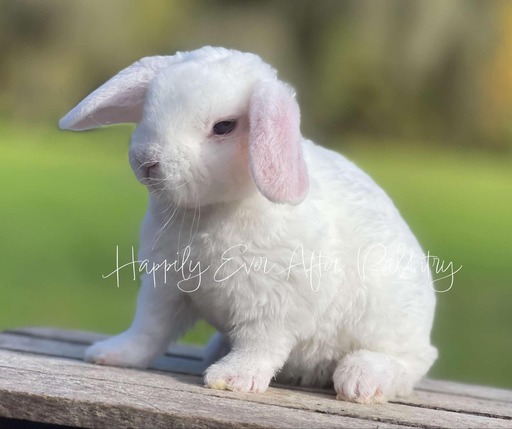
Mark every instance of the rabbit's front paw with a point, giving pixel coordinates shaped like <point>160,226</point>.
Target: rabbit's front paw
<point>123,350</point>
<point>368,377</point>
<point>238,377</point>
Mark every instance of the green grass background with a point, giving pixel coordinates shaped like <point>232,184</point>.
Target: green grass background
<point>67,200</point>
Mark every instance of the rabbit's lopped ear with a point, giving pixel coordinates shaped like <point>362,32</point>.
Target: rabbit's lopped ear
<point>119,100</point>
<point>275,153</point>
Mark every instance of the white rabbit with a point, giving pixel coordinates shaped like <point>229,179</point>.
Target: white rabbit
<point>287,248</point>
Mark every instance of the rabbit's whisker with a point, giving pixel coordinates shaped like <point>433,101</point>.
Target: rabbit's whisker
<point>181,227</point>
<point>168,223</point>
<point>197,208</point>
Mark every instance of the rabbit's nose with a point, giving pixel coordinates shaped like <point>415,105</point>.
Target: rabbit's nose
<point>148,169</point>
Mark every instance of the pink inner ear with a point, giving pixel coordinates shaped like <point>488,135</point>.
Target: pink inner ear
<point>276,161</point>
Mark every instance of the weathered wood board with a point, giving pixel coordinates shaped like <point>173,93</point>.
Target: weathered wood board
<point>43,379</point>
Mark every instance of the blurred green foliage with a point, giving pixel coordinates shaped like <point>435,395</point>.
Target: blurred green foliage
<point>417,92</point>
<point>401,69</point>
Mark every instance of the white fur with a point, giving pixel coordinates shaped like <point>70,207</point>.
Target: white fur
<point>363,325</point>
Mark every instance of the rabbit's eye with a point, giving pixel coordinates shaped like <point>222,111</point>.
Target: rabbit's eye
<point>223,127</point>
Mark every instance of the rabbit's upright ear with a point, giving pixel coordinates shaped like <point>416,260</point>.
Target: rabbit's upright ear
<point>119,100</point>
<point>275,153</point>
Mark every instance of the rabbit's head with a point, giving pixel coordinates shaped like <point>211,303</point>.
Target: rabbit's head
<point>211,124</point>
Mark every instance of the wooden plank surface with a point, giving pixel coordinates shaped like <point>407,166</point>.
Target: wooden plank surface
<point>466,390</point>
<point>36,385</point>
<point>62,391</point>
